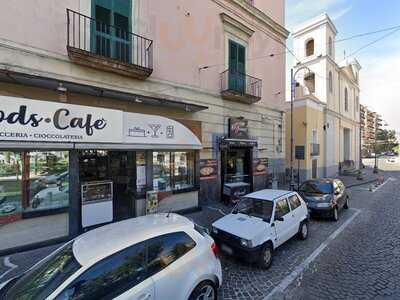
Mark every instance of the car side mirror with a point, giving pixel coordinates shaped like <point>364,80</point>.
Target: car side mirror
<point>280,219</point>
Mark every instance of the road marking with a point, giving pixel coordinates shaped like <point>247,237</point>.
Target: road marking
<point>8,264</point>
<point>378,187</point>
<point>279,289</point>
<point>217,209</point>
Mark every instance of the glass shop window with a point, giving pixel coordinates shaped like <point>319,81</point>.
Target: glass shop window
<point>173,170</point>
<point>162,171</point>
<point>34,197</point>
<point>140,172</point>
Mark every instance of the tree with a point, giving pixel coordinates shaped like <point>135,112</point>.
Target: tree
<point>386,140</point>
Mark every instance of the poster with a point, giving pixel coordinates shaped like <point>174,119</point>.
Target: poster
<point>208,169</point>
<point>151,202</point>
<point>260,166</point>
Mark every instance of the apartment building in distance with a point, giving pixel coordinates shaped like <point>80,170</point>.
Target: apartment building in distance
<point>370,122</point>
<point>326,106</point>
<point>111,109</point>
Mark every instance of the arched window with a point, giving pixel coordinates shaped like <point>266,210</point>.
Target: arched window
<point>330,82</point>
<point>310,48</point>
<point>309,82</point>
<point>346,99</point>
<point>330,47</point>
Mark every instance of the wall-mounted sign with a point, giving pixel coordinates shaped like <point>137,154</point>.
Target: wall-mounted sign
<point>150,129</point>
<point>208,169</point>
<point>300,152</point>
<point>238,128</point>
<point>31,120</point>
<point>260,166</point>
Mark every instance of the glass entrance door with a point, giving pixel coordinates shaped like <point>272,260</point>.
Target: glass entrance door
<point>122,174</point>
<point>117,167</point>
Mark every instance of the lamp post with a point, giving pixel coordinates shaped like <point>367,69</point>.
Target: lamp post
<point>292,97</point>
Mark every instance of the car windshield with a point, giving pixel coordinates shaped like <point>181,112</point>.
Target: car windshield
<point>316,188</point>
<point>45,277</point>
<point>255,207</point>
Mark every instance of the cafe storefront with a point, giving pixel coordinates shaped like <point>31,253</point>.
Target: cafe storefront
<point>240,170</point>
<point>65,168</point>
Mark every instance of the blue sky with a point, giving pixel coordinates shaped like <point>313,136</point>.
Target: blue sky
<point>380,74</point>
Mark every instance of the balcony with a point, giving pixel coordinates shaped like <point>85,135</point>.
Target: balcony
<point>101,46</point>
<point>314,149</point>
<point>240,87</point>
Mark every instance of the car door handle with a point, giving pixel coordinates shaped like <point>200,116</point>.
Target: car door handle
<point>145,296</point>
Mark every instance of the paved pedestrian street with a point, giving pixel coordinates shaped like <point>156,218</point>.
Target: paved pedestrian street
<point>357,257</point>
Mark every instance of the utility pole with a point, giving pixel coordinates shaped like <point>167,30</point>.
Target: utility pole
<point>293,91</point>
<point>292,97</point>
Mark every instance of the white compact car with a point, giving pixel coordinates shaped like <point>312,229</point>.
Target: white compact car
<point>261,222</point>
<point>162,256</point>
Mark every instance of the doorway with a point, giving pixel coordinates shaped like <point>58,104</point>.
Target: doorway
<point>117,167</point>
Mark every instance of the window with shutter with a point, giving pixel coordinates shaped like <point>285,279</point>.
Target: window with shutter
<point>110,33</point>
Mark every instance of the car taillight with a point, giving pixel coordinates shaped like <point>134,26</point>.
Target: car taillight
<point>214,248</point>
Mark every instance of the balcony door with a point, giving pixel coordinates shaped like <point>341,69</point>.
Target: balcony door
<point>237,67</point>
<point>111,35</point>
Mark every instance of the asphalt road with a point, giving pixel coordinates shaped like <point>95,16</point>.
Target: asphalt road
<point>363,262</point>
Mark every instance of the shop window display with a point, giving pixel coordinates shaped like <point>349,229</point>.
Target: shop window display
<point>173,170</point>
<point>34,197</point>
<point>32,181</point>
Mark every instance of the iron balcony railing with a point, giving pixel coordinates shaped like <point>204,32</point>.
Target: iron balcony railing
<point>232,80</point>
<point>99,38</point>
<point>314,149</point>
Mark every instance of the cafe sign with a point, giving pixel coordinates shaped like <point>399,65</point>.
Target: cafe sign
<point>238,128</point>
<point>31,120</point>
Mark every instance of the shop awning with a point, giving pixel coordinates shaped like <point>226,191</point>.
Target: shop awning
<point>51,125</point>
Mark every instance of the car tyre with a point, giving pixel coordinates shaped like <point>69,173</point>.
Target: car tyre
<point>265,259</point>
<point>303,230</point>
<point>335,214</point>
<point>346,205</point>
<point>204,290</point>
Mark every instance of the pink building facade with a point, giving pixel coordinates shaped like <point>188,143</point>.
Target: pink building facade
<point>203,80</point>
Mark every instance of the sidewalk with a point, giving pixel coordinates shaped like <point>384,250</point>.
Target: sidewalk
<point>368,177</point>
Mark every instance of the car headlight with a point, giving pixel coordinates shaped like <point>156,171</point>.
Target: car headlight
<point>214,230</point>
<point>246,243</point>
<point>324,204</point>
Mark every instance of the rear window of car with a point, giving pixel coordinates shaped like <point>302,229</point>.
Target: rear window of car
<point>45,277</point>
<point>315,187</point>
<point>166,249</point>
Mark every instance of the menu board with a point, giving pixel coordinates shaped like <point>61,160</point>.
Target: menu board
<point>208,169</point>
<point>260,166</point>
<point>96,191</point>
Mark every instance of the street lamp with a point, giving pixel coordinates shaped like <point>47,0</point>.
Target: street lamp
<point>293,94</point>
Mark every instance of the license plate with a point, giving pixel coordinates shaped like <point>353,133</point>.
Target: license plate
<point>226,249</point>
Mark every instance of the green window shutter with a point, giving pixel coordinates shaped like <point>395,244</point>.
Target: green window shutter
<point>113,41</point>
<point>237,66</point>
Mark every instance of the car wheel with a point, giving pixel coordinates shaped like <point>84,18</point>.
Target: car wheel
<point>265,260</point>
<point>335,214</point>
<point>206,290</point>
<point>303,230</point>
<point>346,205</point>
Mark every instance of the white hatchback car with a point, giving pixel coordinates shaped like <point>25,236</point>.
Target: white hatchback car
<point>162,256</point>
<point>261,222</point>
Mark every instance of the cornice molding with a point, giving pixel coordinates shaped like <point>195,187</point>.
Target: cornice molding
<point>227,20</point>
<point>257,15</point>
